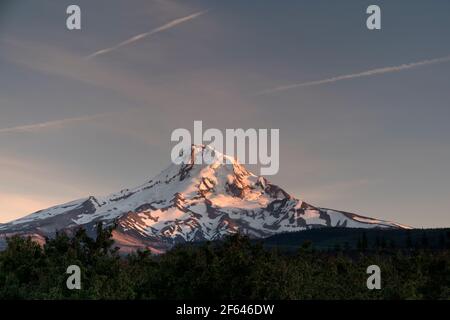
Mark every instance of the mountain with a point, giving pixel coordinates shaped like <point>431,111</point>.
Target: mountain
<point>190,202</point>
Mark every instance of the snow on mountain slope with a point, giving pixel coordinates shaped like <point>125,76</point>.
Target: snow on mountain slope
<point>190,202</point>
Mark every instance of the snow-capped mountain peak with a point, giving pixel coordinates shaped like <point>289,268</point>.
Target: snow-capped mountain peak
<point>205,197</point>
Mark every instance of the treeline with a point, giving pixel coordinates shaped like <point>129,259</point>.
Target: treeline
<point>363,239</point>
<point>233,269</point>
<point>427,239</point>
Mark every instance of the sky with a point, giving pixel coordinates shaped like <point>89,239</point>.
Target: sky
<point>363,115</point>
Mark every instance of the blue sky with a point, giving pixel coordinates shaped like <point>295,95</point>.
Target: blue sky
<point>376,145</point>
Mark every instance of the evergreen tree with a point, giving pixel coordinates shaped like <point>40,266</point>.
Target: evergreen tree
<point>383,243</point>
<point>347,246</point>
<point>424,240</point>
<point>392,244</point>
<point>235,268</point>
<point>409,243</point>
<point>364,242</point>
<point>377,241</point>
<point>441,241</point>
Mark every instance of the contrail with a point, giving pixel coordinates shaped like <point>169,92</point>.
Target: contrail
<point>164,27</point>
<point>50,124</point>
<point>356,75</point>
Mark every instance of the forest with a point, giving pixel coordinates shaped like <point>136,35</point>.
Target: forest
<point>235,268</point>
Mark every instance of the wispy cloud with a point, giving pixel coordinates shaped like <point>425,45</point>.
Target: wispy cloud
<point>51,124</point>
<point>150,95</point>
<point>367,73</point>
<point>68,65</point>
<point>141,36</point>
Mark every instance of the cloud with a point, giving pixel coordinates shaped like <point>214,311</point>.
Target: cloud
<point>51,124</point>
<point>57,61</point>
<point>141,36</point>
<point>183,93</point>
<point>367,73</point>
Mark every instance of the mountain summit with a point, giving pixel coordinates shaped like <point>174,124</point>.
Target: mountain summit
<point>190,202</point>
